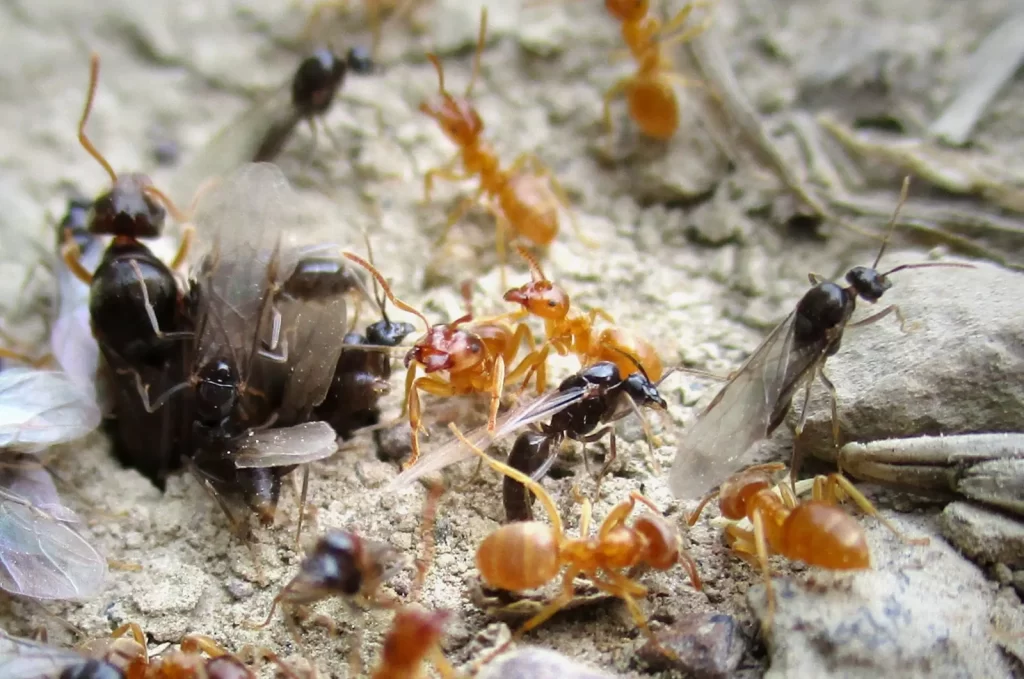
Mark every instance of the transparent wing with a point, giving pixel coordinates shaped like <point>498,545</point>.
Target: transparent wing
<point>235,144</point>
<point>41,408</point>
<point>245,223</point>
<point>739,415</point>
<point>27,659</point>
<point>24,478</point>
<point>41,556</point>
<point>541,408</point>
<point>285,446</point>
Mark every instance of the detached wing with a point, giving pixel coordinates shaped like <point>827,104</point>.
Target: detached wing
<point>41,408</point>
<point>286,446</point>
<point>41,555</point>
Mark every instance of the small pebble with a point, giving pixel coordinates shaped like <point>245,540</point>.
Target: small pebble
<point>539,663</point>
<point>706,646</point>
<point>984,535</point>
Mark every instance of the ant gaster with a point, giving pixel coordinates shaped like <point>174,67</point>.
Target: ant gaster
<point>528,554</point>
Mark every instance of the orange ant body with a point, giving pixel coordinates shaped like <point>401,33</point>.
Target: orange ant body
<point>649,91</point>
<point>526,203</point>
<point>572,331</point>
<point>529,554</point>
<point>474,358</point>
<point>817,531</point>
<point>131,656</point>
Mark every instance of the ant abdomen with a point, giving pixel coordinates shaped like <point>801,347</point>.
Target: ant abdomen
<point>128,278</point>
<point>654,107</point>
<point>519,556</point>
<point>527,202</point>
<point>824,535</point>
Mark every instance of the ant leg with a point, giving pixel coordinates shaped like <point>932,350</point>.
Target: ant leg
<point>70,253</point>
<point>835,482</point>
<point>815,278</point>
<point>497,387</point>
<point>188,234</point>
<point>616,517</point>
<point>874,318</point>
<point>680,19</point>
<point>410,377</point>
<point>516,475</point>
<point>192,643</point>
<point>446,171</point>
<point>598,312</point>
<point>613,93</point>
<point>834,398</point>
<point>151,313</point>
<point>560,602</point>
<point>796,458</point>
<point>431,385</point>
<point>531,363</point>
<point>695,514</point>
<point>761,547</point>
<point>456,215</point>
<point>143,390</point>
<point>624,588</point>
<point>586,512</point>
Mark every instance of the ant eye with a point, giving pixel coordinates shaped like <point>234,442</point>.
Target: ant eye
<point>475,348</point>
<point>552,303</point>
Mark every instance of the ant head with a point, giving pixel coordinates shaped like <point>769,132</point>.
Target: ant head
<point>627,10</point>
<point>541,298</point>
<point>445,347</point>
<point>128,209</point>
<point>456,115</point>
<point>736,492</point>
<point>359,60</point>
<point>868,282</point>
<point>387,333</point>
<point>644,392</point>
<point>414,632</point>
<point>316,81</point>
<point>217,390</point>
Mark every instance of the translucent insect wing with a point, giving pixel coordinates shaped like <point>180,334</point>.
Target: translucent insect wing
<point>235,144</point>
<point>43,558</point>
<point>286,446</point>
<point>41,408</point>
<point>27,659</point>
<point>454,451</point>
<point>245,221</point>
<point>71,340</point>
<point>23,478</point>
<point>714,446</point>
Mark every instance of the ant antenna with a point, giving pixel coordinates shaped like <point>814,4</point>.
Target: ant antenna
<point>479,51</point>
<point>387,288</point>
<point>94,77</point>
<point>635,361</point>
<point>381,300</point>
<point>892,222</point>
<point>434,493</point>
<point>531,261</point>
<point>440,74</point>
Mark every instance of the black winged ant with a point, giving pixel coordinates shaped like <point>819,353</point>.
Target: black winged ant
<point>270,317</point>
<point>758,396</point>
<point>596,395</point>
<point>314,86</point>
<point>137,309</point>
<point>261,133</point>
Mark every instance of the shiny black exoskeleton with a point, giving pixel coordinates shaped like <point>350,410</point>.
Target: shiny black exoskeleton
<point>92,669</point>
<point>604,392</point>
<point>828,306</point>
<point>128,210</point>
<point>314,86</point>
<point>361,378</point>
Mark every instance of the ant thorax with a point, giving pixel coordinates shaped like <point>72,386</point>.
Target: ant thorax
<point>821,309</point>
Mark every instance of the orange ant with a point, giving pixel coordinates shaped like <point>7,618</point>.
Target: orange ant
<point>526,203</point>
<point>817,531</point>
<point>572,331</point>
<point>474,357</point>
<point>126,656</point>
<point>649,92</point>
<point>131,209</point>
<point>528,554</point>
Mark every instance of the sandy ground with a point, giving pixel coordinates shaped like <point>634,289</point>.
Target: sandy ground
<point>700,279</point>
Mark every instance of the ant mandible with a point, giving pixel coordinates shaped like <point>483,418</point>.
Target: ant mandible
<point>525,202</point>
<point>817,531</point>
<point>649,91</point>
<point>474,357</point>
<point>529,554</point>
<point>572,331</point>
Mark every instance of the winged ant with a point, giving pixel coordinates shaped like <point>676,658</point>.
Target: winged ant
<point>756,399</point>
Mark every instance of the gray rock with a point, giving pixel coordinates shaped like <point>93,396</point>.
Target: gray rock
<point>986,536</point>
<point>539,663</point>
<point>958,368</point>
<point>901,620</point>
<point>706,646</point>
